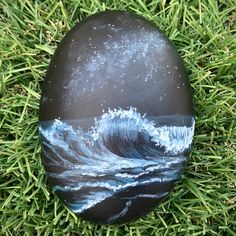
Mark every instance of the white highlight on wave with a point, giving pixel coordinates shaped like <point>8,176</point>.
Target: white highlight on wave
<point>175,139</point>
<point>128,204</point>
<point>98,197</point>
<point>112,187</point>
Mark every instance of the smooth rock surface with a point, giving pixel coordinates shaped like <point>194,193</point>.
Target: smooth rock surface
<point>116,118</point>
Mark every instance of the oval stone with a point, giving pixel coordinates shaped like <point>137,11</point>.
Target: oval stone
<point>116,118</point>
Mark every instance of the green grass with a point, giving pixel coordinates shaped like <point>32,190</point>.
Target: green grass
<point>204,201</point>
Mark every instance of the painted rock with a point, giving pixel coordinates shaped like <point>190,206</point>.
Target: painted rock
<point>116,118</point>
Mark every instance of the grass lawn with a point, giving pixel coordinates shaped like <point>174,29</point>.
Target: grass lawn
<point>204,201</point>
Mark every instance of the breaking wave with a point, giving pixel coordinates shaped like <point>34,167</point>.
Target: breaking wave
<point>121,149</point>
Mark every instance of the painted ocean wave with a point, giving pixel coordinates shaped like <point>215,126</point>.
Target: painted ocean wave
<point>122,149</point>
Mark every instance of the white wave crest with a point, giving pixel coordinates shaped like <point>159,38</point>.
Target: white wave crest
<point>174,139</point>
